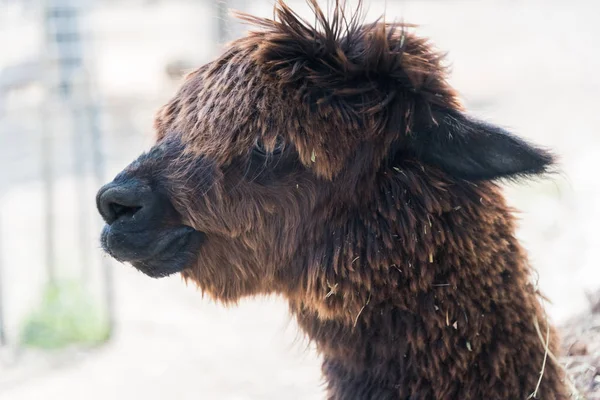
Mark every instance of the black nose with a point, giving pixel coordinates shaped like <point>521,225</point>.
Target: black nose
<point>123,201</point>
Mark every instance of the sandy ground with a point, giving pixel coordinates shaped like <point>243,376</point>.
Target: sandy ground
<point>528,65</point>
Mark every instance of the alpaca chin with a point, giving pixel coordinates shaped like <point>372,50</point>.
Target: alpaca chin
<point>156,253</point>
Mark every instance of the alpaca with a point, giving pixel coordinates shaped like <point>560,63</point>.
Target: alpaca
<point>332,163</point>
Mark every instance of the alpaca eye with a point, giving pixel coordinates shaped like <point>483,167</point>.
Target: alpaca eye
<point>260,148</point>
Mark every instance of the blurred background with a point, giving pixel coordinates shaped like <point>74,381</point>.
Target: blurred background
<point>80,81</point>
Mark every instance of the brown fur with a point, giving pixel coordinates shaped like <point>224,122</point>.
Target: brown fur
<point>406,274</point>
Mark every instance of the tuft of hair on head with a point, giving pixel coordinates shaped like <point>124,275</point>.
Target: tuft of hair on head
<point>341,57</point>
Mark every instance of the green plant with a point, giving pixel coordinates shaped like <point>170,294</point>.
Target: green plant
<point>65,316</point>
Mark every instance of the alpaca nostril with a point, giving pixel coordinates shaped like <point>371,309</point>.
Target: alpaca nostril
<point>119,211</point>
<point>121,202</point>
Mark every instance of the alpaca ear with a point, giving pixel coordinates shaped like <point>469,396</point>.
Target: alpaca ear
<point>474,150</point>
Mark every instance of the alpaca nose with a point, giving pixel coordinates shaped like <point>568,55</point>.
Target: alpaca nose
<point>122,201</point>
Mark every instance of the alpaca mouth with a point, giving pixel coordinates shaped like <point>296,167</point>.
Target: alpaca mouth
<point>155,252</point>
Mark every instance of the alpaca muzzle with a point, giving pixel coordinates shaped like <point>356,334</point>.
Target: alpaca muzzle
<point>143,228</point>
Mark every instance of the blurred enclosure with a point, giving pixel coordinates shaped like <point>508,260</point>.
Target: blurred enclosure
<point>79,83</point>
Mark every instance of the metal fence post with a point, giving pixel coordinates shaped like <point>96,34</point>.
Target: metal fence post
<point>228,27</point>
<point>74,88</point>
<point>65,38</point>
<point>98,166</point>
<point>2,327</point>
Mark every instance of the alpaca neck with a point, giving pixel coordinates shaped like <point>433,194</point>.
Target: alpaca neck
<point>442,309</point>
<point>434,352</point>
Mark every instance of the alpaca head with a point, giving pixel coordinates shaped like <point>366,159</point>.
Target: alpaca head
<point>292,130</point>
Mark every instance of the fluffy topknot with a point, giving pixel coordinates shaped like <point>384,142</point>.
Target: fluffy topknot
<point>368,65</point>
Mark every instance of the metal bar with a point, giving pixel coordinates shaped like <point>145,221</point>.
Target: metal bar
<point>47,155</point>
<point>79,156</point>
<point>48,179</point>
<point>229,28</point>
<point>62,20</point>
<point>3,341</point>
<point>222,22</point>
<point>98,168</point>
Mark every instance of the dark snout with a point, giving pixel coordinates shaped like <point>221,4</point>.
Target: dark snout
<point>123,201</point>
<point>143,228</point>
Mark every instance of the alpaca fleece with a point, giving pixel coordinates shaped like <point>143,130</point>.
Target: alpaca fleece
<point>332,163</point>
